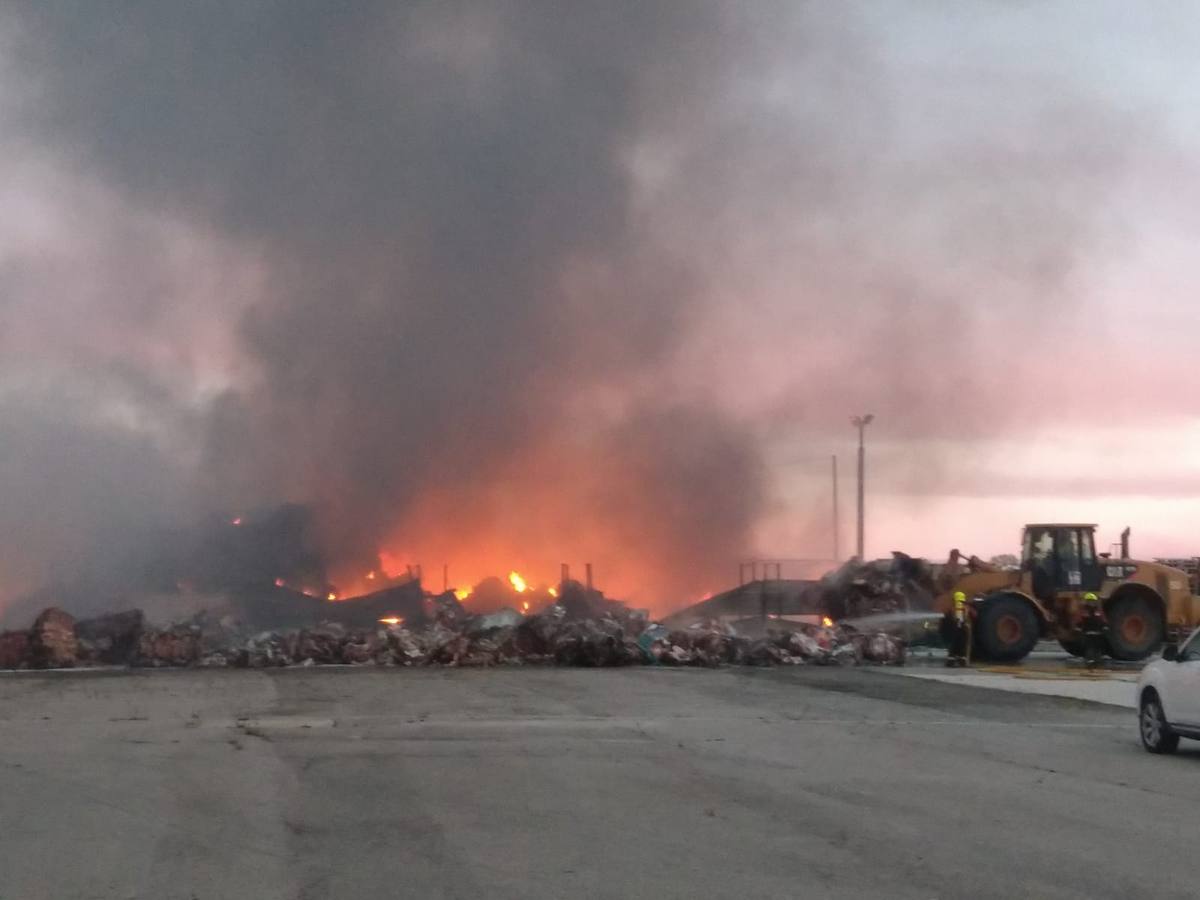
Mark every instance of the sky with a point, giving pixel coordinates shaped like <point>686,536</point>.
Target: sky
<point>489,285</point>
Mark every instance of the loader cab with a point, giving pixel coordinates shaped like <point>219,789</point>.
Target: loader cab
<point>1061,559</point>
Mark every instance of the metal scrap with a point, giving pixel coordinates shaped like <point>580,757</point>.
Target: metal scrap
<point>582,633</point>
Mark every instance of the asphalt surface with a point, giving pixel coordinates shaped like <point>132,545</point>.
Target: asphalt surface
<point>568,783</point>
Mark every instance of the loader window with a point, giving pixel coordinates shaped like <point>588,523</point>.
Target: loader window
<point>1068,548</point>
<point>1069,574</point>
<point>1089,566</point>
<point>1039,559</point>
<point>1039,548</point>
<point>1087,554</point>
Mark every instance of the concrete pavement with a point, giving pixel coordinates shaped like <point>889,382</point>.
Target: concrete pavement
<point>541,783</point>
<point>1048,671</point>
<point>1109,688</point>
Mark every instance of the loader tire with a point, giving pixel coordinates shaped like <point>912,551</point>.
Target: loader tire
<point>1006,629</point>
<point>1073,646</point>
<point>1135,627</point>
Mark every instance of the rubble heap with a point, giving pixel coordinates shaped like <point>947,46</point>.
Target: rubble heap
<point>857,589</point>
<point>586,631</point>
<point>52,640</point>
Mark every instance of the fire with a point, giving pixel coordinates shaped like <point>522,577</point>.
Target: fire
<point>392,620</point>
<point>279,582</point>
<point>462,593</point>
<point>391,564</point>
<point>237,521</point>
<point>517,582</point>
<point>525,606</point>
<point>331,596</point>
<point>371,576</point>
<point>826,621</point>
<point>553,592</point>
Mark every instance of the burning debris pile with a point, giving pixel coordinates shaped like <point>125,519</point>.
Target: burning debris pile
<point>583,629</point>
<point>860,589</point>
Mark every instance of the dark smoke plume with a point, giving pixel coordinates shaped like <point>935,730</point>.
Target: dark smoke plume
<point>441,196</point>
<point>502,259</point>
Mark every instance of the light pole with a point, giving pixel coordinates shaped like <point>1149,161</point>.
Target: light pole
<point>837,526</point>
<point>861,423</point>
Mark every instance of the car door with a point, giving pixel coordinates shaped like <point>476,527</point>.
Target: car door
<point>1181,698</point>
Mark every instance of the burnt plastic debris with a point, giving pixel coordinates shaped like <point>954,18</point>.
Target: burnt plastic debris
<point>110,639</point>
<point>15,650</point>
<point>583,632</point>
<point>52,641</point>
<point>901,584</point>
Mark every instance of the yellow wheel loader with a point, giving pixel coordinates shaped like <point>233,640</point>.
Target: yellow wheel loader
<point>1144,603</point>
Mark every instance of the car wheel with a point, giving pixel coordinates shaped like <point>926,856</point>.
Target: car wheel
<point>1157,736</point>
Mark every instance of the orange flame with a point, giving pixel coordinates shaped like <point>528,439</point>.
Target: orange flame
<point>237,521</point>
<point>371,575</point>
<point>462,593</point>
<point>279,582</point>
<point>826,621</point>
<point>553,592</point>
<point>525,606</point>
<point>517,582</point>
<point>391,564</point>
<point>331,596</point>
<point>392,620</point>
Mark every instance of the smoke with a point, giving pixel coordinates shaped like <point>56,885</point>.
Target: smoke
<point>455,278</point>
<point>503,285</point>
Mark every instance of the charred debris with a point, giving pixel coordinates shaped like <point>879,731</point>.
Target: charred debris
<point>407,626</point>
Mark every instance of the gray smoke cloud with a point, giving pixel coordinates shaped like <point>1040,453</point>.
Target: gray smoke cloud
<point>439,196</point>
<point>498,273</point>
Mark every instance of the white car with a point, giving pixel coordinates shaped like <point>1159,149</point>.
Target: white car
<point>1169,697</point>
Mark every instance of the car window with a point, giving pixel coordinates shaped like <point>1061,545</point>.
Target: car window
<point>1190,652</point>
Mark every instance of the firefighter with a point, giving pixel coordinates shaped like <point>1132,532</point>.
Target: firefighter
<point>956,632</point>
<point>1093,628</point>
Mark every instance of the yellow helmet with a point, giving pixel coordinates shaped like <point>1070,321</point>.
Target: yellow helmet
<point>1089,597</point>
<point>960,599</point>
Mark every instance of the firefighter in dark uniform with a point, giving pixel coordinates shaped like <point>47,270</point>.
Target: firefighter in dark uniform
<point>1094,630</point>
<point>956,632</point>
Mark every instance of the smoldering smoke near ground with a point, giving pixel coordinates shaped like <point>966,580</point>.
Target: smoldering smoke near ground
<point>489,232</point>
